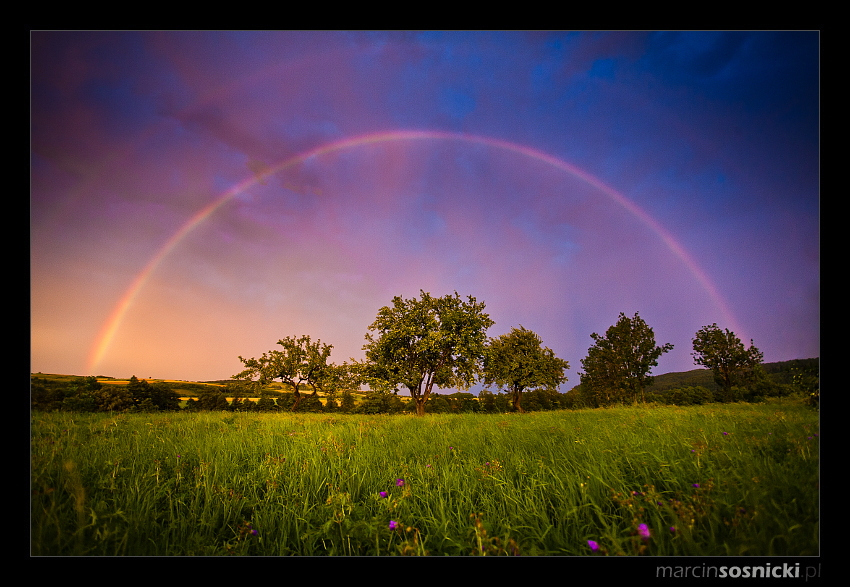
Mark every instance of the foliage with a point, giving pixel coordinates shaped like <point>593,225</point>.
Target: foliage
<point>300,362</point>
<point>380,402</point>
<point>724,353</point>
<point>691,395</point>
<point>617,366</point>
<point>805,379</point>
<point>212,399</point>
<point>419,343</point>
<point>517,361</point>
<point>152,397</point>
<point>46,395</point>
<point>347,403</point>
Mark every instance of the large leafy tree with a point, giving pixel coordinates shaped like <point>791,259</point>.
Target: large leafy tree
<point>420,343</point>
<point>617,366</point>
<point>301,362</point>
<point>517,362</point>
<point>724,353</point>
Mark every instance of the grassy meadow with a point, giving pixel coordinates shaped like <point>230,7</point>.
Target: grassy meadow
<point>718,479</point>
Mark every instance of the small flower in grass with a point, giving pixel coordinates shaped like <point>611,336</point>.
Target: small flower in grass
<point>673,529</point>
<point>399,482</point>
<point>695,485</point>
<point>725,434</point>
<point>593,545</point>
<point>383,494</point>
<point>393,524</point>
<point>643,530</point>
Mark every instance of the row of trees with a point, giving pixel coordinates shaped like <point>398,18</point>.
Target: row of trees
<point>87,394</point>
<point>427,343</point>
<point>418,344</point>
<point>431,343</point>
<point>617,366</point>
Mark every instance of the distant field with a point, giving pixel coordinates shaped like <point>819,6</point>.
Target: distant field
<point>720,479</point>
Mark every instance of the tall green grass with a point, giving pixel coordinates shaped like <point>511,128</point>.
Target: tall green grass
<point>732,479</point>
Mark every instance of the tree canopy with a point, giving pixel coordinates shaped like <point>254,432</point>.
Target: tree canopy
<point>300,362</point>
<point>517,361</point>
<point>617,366</point>
<point>724,353</point>
<point>419,343</point>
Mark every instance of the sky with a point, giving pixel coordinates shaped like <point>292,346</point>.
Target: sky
<point>197,196</point>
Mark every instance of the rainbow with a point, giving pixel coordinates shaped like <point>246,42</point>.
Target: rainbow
<point>112,324</point>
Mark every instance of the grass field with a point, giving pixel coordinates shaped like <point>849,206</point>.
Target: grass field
<point>720,479</point>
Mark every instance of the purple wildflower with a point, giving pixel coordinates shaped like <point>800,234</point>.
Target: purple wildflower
<point>643,530</point>
<point>673,529</point>
<point>725,434</point>
<point>393,525</point>
<point>383,494</point>
<point>593,546</point>
<point>695,485</point>
<point>399,482</point>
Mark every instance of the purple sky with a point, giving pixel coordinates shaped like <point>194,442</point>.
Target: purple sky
<point>561,178</point>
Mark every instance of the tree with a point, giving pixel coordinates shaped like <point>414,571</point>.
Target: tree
<point>517,361</point>
<point>617,367</point>
<point>347,402</point>
<point>300,362</point>
<point>82,395</point>
<point>139,391</point>
<point>429,341</point>
<point>164,397</point>
<point>114,398</point>
<point>724,353</point>
<point>212,398</point>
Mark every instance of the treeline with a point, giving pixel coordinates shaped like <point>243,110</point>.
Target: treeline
<point>421,345</point>
<point>87,394</point>
<point>787,379</point>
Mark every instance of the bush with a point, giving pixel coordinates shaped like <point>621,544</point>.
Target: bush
<point>691,396</point>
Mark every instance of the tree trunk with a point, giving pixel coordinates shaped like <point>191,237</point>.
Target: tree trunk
<point>517,399</point>
<point>298,397</point>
